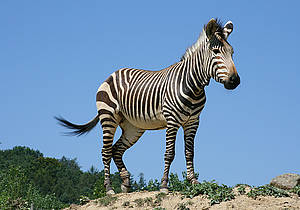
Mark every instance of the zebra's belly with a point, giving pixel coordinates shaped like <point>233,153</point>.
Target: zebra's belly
<point>149,124</point>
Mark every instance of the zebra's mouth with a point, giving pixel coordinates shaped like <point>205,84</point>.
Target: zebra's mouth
<point>232,82</point>
<point>230,86</point>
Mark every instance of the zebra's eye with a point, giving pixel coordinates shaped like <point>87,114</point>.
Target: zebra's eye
<point>216,51</point>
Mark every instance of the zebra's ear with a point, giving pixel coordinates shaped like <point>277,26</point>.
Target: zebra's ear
<point>211,28</point>
<point>227,29</point>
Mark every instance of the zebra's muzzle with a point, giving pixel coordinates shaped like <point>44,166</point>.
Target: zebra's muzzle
<point>232,82</point>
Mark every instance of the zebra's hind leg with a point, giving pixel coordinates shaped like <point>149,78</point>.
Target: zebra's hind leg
<point>130,135</point>
<point>109,126</point>
<point>190,129</point>
<point>172,129</point>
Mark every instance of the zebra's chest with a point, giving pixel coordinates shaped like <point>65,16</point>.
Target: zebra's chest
<point>186,109</point>
<point>189,114</point>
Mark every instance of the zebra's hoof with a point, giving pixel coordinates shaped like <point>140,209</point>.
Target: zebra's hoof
<point>110,192</point>
<point>125,189</point>
<point>195,181</point>
<point>164,190</point>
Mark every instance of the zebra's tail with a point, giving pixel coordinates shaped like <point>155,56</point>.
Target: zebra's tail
<point>78,130</point>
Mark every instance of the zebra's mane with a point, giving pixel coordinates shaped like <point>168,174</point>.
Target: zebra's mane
<point>201,39</point>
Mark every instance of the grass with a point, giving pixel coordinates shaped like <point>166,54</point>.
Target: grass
<point>107,200</point>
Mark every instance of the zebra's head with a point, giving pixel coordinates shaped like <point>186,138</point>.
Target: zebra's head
<point>221,66</point>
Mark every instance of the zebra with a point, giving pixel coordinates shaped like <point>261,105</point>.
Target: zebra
<point>139,100</point>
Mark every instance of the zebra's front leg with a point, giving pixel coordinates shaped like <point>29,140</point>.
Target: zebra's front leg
<point>169,154</point>
<point>190,129</point>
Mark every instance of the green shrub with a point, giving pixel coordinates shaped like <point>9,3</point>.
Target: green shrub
<point>267,190</point>
<point>241,188</point>
<point>216,193</point>
<point>296,190</point>
<point>99,189</point>
<point>16,192</point>
<point>177,185</point>
<point>153,185</point>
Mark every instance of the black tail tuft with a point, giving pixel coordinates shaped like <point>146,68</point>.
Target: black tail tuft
<point>78,129</point>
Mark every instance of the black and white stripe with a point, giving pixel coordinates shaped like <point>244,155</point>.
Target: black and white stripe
<point>139,100</point>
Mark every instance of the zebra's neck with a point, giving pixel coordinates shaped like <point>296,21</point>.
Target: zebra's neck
<point>196,72</point>
<point>195,59</point>
<point>194,75</point>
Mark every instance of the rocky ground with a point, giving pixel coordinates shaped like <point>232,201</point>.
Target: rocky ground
<point>159,201</point>
<point>156,200</point>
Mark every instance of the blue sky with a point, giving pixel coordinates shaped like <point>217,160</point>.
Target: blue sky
<point>55,54</point>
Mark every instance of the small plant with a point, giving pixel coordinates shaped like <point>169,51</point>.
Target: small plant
<point>148,201</point>
<point>107,200</point>
<point>160,196</point>
<point>139,202</point>
<point>267,190</point>
<point>159,208</point>
<point>83,200</point>
<point>296,190</point>
<point>182,206</point>
<point>241,188</point>
<point>189,203</point>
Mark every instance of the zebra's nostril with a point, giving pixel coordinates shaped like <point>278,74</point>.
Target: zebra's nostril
<point>232,78</point>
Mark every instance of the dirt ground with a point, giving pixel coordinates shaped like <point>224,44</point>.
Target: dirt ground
<point>173,201</point>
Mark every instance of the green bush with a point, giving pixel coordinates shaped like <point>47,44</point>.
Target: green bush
<point>99,189</point>
<point>16,192</point>
<point>177,185</point>
<point>267,190</point>
<point>216,193</point>
<point>296,190</point>
<point>153,185</point>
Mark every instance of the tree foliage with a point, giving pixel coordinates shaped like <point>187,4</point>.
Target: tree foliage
<point>58,178</point>
<point>17,192</point>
